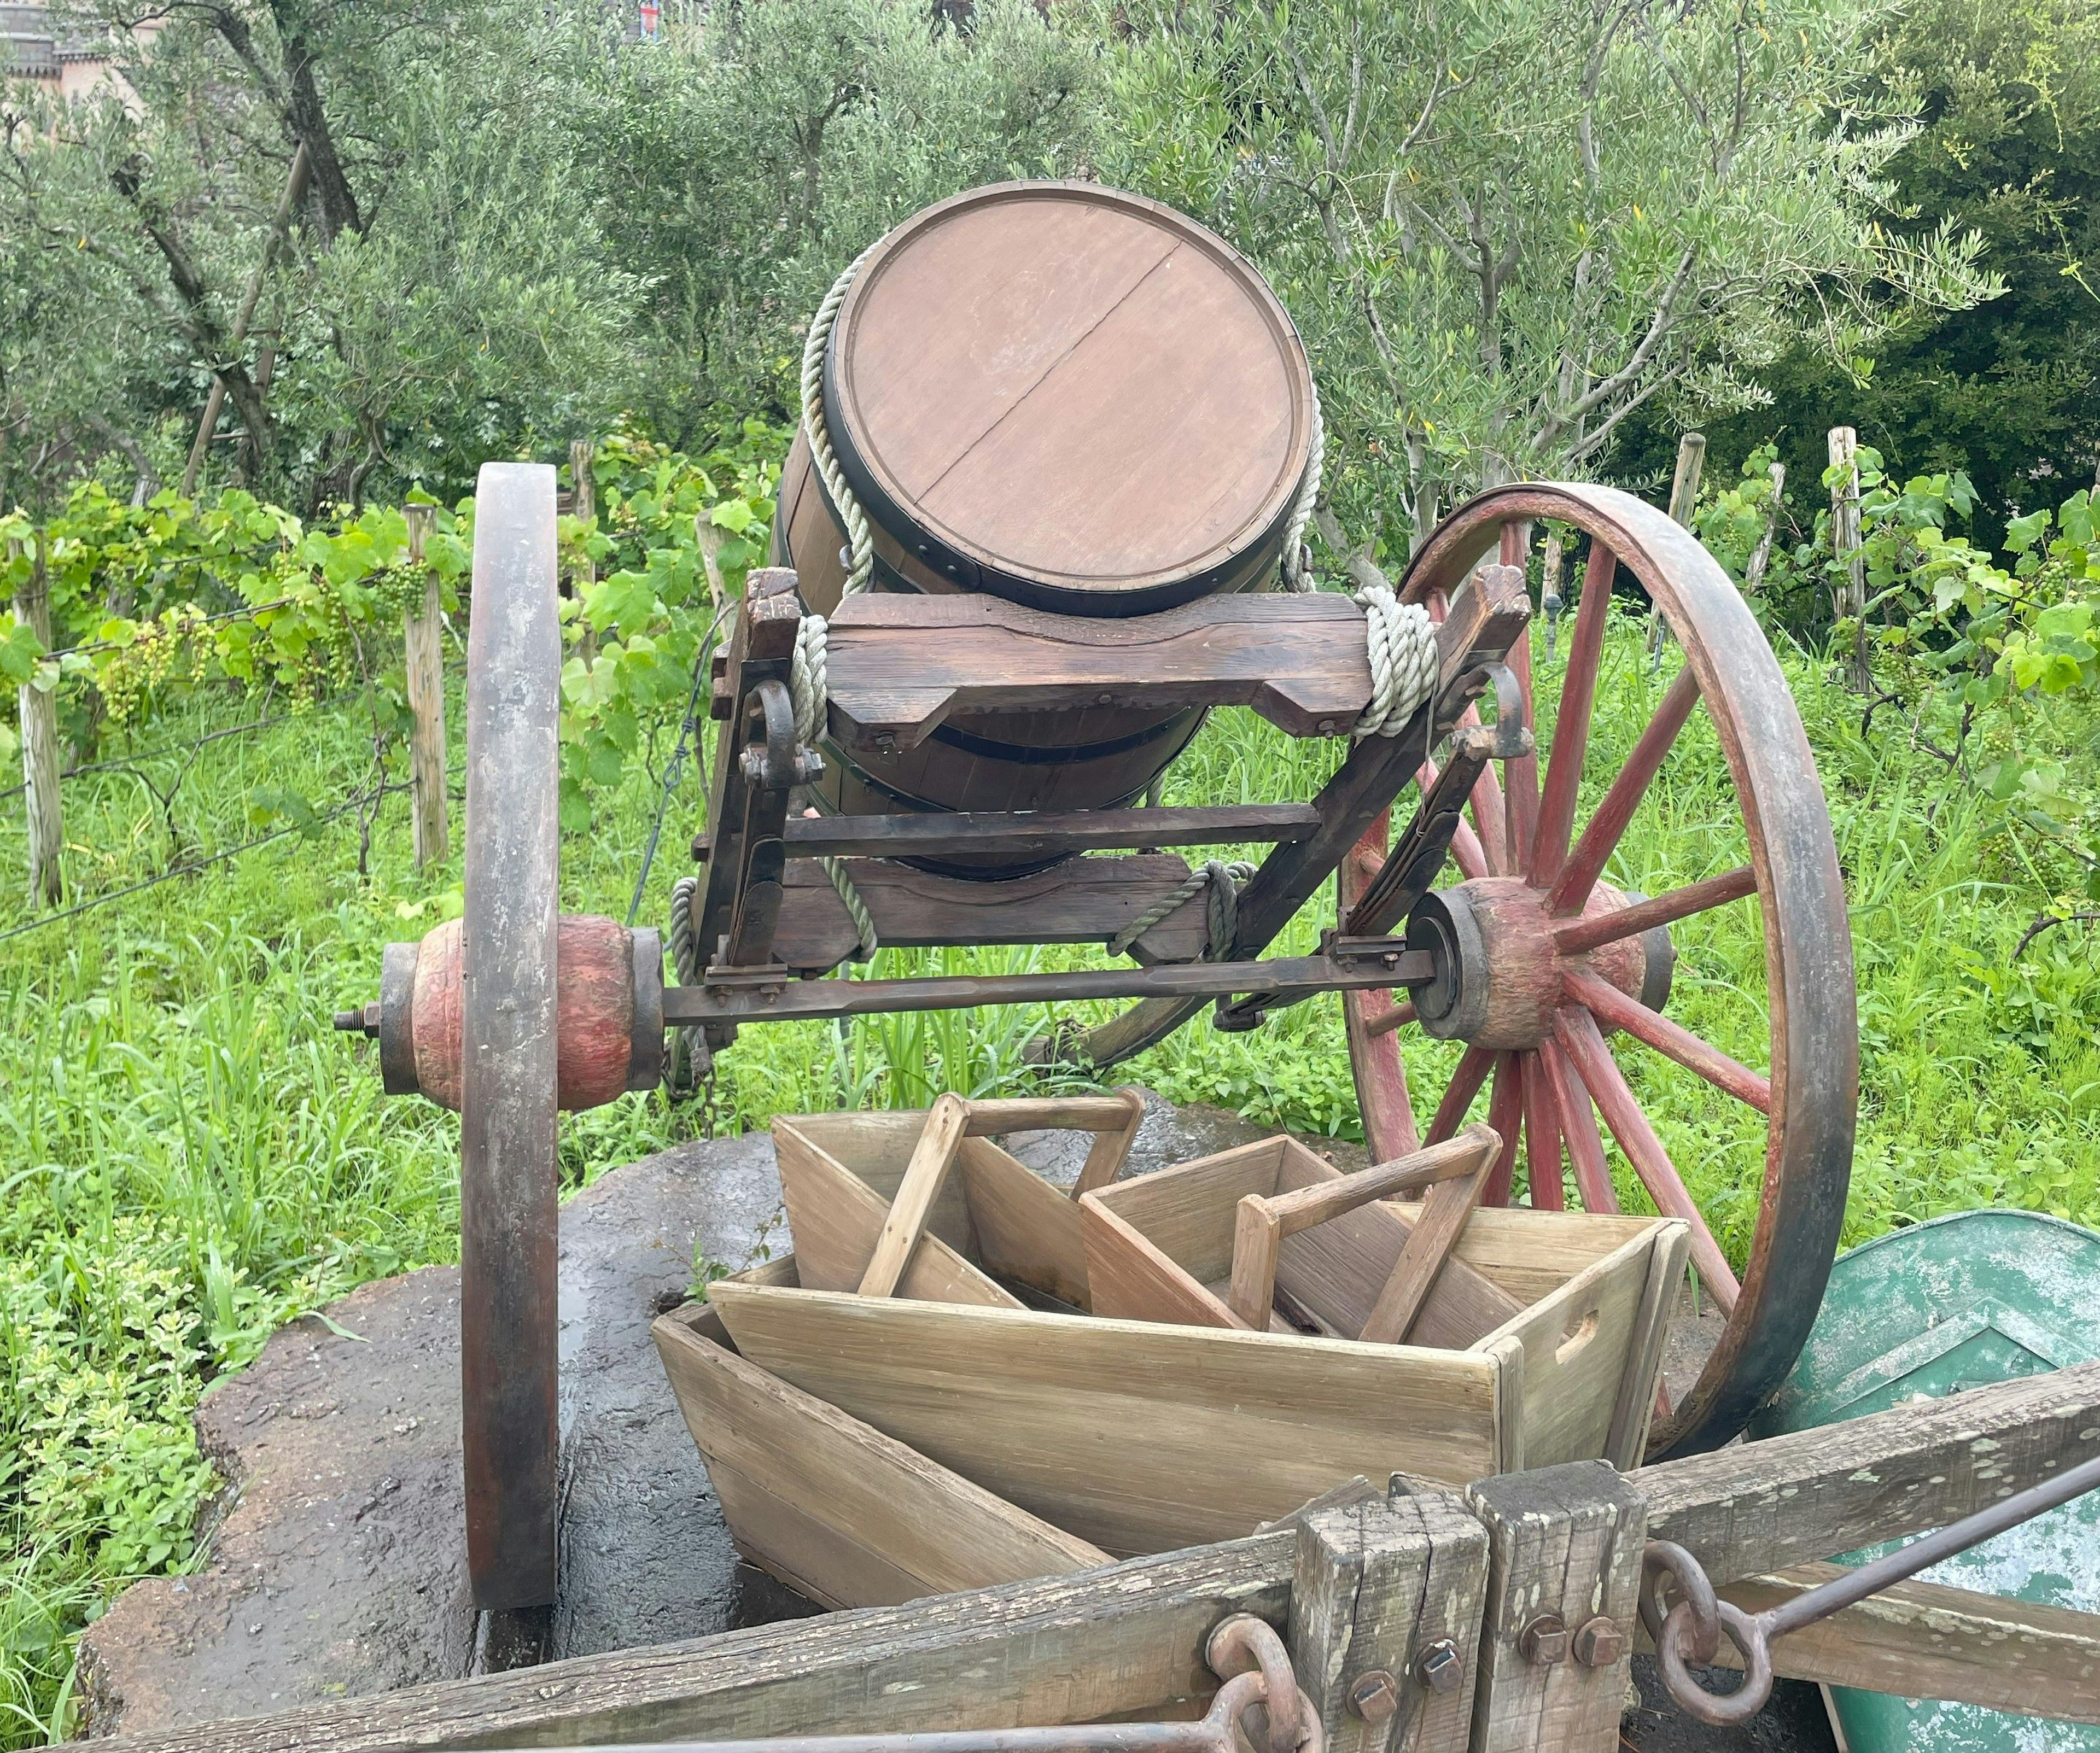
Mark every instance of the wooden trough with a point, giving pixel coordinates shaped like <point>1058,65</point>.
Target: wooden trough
<point>951,1434</point>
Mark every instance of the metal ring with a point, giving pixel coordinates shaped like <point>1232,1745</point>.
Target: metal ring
<point>1721,1709</point>
<point>1244,1641</point>
<point>1665,1557</point>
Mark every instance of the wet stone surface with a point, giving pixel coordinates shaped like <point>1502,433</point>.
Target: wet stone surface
<point>336,1561</point>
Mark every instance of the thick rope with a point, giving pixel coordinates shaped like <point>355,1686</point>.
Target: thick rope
<point>1297,573</point>
<point>1223,878</point>
<point>807,677</point>
<point>860,545</point>
<point>691,1058</point>
<point>1402,641</point>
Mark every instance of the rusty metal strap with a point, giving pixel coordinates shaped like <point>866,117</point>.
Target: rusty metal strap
<point>1688,1633</point>
<point>1259,1703</point>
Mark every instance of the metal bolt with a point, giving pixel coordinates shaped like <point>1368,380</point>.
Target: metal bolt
<point>1600,1643</point>
<point>1545,1639</point>
<point>1375,1695</point>
<point>753,762</point>
<point>1438,1665</point>
<point>885,744</point>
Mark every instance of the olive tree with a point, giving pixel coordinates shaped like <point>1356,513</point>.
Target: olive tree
<point>1505,225</point>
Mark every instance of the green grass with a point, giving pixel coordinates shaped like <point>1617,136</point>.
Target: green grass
<point>189,1156</point>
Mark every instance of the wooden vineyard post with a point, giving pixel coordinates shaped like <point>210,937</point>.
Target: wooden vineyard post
<point>1684,497</point>
<point>1851,598</point>
<point>1385,1621</point>
<point>1564,1582</point>
<point>1754,574</point>
<point>426,703</point>
<point>39,713</point>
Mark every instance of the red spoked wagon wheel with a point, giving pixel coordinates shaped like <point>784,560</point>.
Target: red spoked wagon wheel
<point>1554,976</point>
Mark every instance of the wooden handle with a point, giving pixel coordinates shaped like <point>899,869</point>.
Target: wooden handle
<point>1429,1244</point>
<point>932,1157</point>
<point>1261,1223</point>
<point>1063,1113</point>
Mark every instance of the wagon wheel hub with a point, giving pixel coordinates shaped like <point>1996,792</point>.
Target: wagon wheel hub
<point>1500,975</point>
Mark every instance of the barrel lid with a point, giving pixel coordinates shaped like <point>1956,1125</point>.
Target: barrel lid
<point>1070,397</point>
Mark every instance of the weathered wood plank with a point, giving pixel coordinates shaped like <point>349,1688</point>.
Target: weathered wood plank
<point>925,1176</point>
<point>1076,1649</point>
<point>1794,1499</point>
<point>1564,1582</point>
<point>1136,1436</point>
<point>902,665</point>
<point>1084,901</point>
<point>849,1489</point>
<point>1378,1584</point>
<point>1042,834</point>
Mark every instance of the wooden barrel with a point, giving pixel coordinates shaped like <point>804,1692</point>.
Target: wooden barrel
<point>1076,399</point>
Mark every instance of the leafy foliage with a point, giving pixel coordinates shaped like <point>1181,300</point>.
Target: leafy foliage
<point>1505,227</point>
<point>2008,99</point>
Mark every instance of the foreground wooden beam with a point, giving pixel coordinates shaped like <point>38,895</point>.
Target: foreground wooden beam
<point>1061,1650</point>
<point>1924,1641</point>
<point>1766,1506</point>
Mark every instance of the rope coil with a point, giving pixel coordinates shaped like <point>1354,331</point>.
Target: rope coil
<point>1403,660</point>
<point>1223,878</point>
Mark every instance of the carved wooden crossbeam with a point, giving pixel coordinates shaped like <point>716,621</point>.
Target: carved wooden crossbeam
<point>1086,900</point>
<point>901,666</point>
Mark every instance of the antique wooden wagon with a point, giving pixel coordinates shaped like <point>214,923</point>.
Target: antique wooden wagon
<point>1059,449</point>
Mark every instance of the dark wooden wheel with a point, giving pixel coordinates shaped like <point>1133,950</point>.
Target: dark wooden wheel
<point>1559,974</point>
<point>508,1066</point>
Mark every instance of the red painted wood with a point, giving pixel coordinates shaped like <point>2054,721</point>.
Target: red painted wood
<point>1571,727</point>
<point>1506,1115</point>
<point>1586,863</point>
<point>594,1011</point>
<point>1542,1138</point>
<point>1670,1039</point>
<point>1488,819</point>
<point>1474,1065</point>
<point>1577,1032</point>
<point>1660,910</point>
<point>1578,1126</point>
<point>1380,1078</point>
<point>1521,776</point>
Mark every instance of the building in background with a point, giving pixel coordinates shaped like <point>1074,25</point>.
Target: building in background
<point>35,45</point>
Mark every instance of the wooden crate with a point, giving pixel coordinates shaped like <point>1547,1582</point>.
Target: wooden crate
<point>1139,1437</point>
<point>836,1510</point>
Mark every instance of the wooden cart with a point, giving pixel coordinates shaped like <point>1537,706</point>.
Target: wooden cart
<point>1059,444</point>
<point>1499,1619</point>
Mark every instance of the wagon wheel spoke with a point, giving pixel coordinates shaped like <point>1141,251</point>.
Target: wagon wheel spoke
<point>1575,1030</point>
<point>1506,1115</point>
<point>1571,889</point>
<point>1542,1137</point>
<point>1370,1019</point>
<point>1578,1126</point>
<point>1693,899</point>
<point>1571,727</point>
<point>1474,1065</point>
<point>1672,1040</point>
